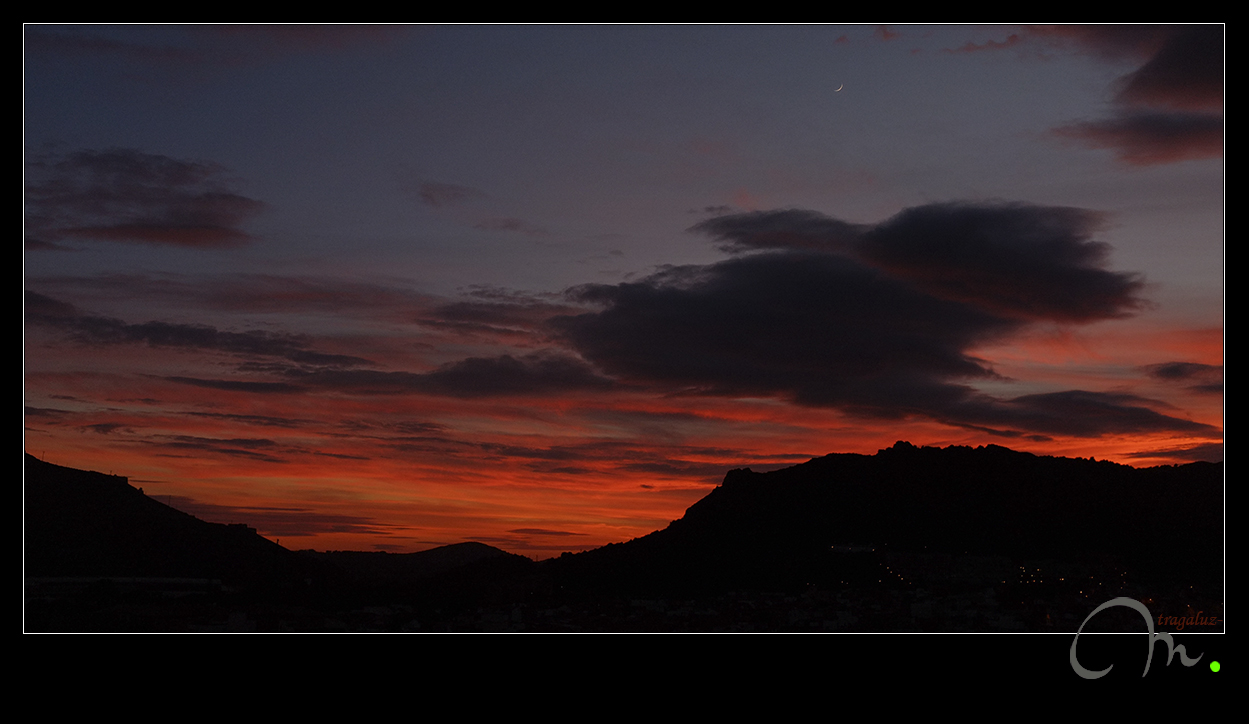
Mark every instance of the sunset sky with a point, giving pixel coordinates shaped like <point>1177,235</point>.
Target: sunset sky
<point>389,288</point>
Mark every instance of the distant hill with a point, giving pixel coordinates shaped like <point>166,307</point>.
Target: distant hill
<point>391,567</point>
<point>448,577</point>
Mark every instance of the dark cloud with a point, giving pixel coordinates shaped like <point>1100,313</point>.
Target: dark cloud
<point>1170,108</point>
<point>823,328</point>
<point>1149,138</point>
<point>1076,412</point>
<point>1204,379</point>
<point>1211,452</point>
<point>257,449</point>
<point>45,311</point>
<point>262,420</point>
<point>1011,260</point>
<point>439,195</point>
<point>877,320</point>
<point>48,412</point>
<point>475,377</point>
<point>1014,260</point>
<point>507,375</point>
<point>239,385</point>
<point>1211,388</point>
<point>340,456</point>
<point>251,443</point>
<point>1183,371</point>
<point>106,428</point>
<point>126,195</point>
<point>1186,73</point>
<point>541,531</point>
<point>42,309</point>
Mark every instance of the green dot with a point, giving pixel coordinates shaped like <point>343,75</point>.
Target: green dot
<point>1214,666</point>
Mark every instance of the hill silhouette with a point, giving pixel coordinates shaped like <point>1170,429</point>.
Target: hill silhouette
<point>990,508</point>
<point>910,538</point>
<point>81,523</point>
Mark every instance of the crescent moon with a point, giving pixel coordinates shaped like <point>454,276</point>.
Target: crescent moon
<point>843,85</point>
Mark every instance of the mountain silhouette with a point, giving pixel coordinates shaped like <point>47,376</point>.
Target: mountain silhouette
<point>988,507</point>
<point>81,523</point>
<point>910,538</point>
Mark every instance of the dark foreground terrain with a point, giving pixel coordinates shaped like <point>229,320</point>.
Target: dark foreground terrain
<point>909,539</point>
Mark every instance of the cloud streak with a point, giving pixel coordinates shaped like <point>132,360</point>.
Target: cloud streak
<point>471,378</point>
<point>1207,452</point>
<point>1150,138</point>
<point>1200,378</point>
<point>279,521</point>
<point>124,195</point>
<point>88,329</point>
